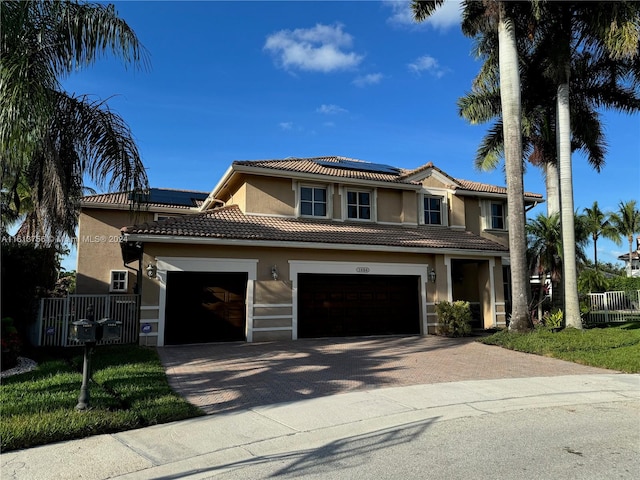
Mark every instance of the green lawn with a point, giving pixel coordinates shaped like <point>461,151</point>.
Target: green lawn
<point>129,390</point>
<point>616,347</point>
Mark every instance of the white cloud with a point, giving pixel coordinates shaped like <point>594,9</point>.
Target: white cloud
<point>286,125</point>
<point>323,48</point>
<point>369,79</point>
<point>429,64</point>
<point>330,109</point>
<point>446,16</point>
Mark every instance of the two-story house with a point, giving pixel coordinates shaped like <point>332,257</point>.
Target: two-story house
<point>301,248</point>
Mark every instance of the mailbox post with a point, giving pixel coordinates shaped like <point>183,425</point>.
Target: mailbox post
<point>85,330</point>
<point>90,332</point>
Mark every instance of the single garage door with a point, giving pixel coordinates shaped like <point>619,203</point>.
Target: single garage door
<point>344,305</point>
<point>203,307</point>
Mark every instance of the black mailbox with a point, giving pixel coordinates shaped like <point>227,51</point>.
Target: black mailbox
<point>110,329</point>
<point>83,331</point>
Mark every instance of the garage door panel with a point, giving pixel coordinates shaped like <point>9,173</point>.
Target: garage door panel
<point>205,307</point>
<point>343,305</point>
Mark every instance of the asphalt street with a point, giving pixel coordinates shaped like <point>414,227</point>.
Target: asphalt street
<point>600,441</point>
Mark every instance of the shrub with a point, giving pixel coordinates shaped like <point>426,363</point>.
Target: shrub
<point>553,320</point>
<point>628,284</point>
<point>454,319</point>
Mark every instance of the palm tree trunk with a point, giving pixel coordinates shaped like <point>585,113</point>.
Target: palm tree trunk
<point>570,275</point>
<point>510,101</point>
<point>630,268</point>
<point>552,182</point>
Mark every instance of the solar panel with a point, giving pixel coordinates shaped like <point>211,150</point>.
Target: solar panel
<point>360,166</point>
<point>172,197</point>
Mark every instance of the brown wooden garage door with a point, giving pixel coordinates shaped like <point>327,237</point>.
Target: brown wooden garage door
<point>203,307</point>
<point>345,305</point>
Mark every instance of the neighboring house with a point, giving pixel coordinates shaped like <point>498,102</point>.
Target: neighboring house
<point>635,260</point>
<point>304,247</point>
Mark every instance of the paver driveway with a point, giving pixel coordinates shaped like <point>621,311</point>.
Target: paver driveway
<point>231,376</point>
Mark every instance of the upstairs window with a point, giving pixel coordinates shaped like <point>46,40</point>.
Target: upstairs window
<point>119,281</point>
<point>432,210</point>
<point>359,205</point>
<point>313,201</point>
<point>497,218</point>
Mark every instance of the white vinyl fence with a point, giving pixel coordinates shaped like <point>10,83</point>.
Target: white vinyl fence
<point>614,307</point>
<point>56,315</point>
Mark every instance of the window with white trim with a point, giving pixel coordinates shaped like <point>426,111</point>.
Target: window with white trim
<point>313,201</point>
<point>497,216</point>
<point>432,206</point>
<point>119,281</point>
<point>358,205</point>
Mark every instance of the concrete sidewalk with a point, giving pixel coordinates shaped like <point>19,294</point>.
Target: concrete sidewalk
<point>202,447</point>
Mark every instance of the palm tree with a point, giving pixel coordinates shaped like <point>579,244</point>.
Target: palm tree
<point>626,221</point>
<point>607,29</point>
<point>52,138</point>
<point>482,105</point>
<point>479,18</point>
<point>544,242</point>
<point>545,252</point>
<point>598,225</point>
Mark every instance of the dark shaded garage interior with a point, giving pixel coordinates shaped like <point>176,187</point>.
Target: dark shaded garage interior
<point>346,305</point>
<point>204,307</point>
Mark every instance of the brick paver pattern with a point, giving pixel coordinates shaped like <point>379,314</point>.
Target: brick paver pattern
<point>231,376</point>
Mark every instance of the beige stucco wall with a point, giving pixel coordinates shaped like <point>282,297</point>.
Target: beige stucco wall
<point>473,220</point>
<point>433,182</point>
<point>457,211</point>
<point>337,202</point>
<point>472,214</point>
<point>389,205</point>
<point>239,198</point>
<point>269,256</point>
<point>99,247</point>
<point>277,196</point>
<point>270,195</point>
<point>410,207</point>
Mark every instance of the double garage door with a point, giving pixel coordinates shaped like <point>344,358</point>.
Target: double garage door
<point>203,307</point>
<point>346,305</point>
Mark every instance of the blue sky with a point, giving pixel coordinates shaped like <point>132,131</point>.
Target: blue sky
<point>254,80</point>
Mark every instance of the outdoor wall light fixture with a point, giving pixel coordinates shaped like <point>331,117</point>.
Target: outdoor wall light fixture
<point>151,271</point>
<point>432,276</point>
<point>274,272</point>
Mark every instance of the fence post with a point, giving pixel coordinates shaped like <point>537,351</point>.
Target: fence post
<point>40,314</point>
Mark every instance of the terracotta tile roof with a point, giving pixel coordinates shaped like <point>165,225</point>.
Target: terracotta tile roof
<point>122,198</point>
<point>486,188</point>
<point>231,223</point>
<point>321,166</point>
